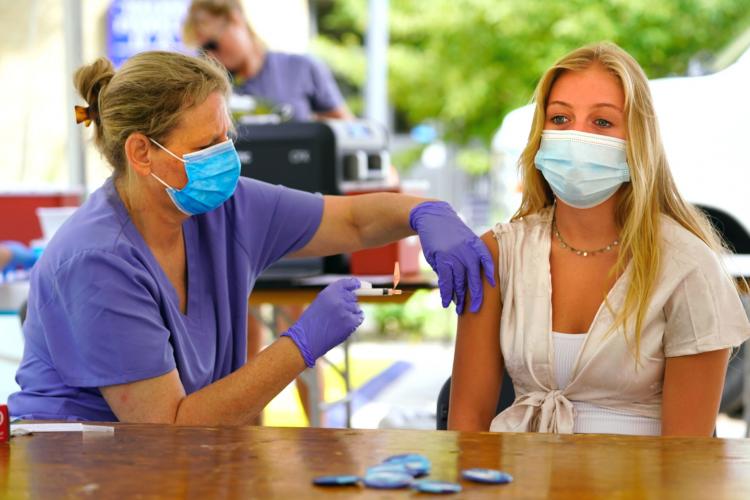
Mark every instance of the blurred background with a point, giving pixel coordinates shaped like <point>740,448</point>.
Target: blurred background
<point>449,80</point>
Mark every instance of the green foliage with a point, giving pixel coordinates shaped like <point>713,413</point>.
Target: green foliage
<point>474,160</point>
<point>407,158</point>
<point>421,316</point>
<point>466,63</point>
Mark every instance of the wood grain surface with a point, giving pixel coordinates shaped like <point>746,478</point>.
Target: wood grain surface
<point>161,461</point>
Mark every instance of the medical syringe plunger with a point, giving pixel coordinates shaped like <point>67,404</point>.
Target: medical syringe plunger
<point>366,290</point>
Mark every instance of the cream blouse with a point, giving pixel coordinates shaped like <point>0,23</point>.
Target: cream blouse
<point>694,308</point>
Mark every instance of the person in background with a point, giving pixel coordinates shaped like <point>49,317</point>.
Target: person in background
<point>300,82</point>
<point>15,255</point>
<point>613,313</point>
<point>138,306</point>
<point>297,85</point>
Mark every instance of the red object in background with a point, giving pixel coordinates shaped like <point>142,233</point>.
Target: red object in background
<point>4,424</point>
<point>18,220</point>
<point>381,260</point>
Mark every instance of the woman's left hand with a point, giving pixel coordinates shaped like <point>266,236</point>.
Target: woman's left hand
<point>454,252</point>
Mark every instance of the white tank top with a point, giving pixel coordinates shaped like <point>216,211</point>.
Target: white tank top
<point>589,418</point>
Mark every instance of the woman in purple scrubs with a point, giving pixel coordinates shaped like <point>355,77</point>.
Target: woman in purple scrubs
<point>297,86</point>
<point>297,83</point>
<point>138,305</point>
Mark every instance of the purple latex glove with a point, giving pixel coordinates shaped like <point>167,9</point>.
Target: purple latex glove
<point>453,251</point>
<point>328,321</point>
<point>21,256</point>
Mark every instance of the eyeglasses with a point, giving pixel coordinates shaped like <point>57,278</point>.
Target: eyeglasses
<point>211,45</point>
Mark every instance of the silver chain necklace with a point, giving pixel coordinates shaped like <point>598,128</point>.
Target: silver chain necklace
<point>582,253</point>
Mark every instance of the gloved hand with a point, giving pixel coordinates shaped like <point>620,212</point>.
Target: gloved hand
<point>328,321</point>
<point>453,251</point>
<point>20,255</point>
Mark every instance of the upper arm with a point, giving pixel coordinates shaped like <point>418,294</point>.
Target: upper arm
<point>337,231</point>
<point>704,317</point>
<point>477,361</point>
<point>109,333</point>
<point>154,400</point>
<point>692,392</point>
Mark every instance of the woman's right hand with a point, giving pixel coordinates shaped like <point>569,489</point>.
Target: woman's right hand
<point>328,321</point>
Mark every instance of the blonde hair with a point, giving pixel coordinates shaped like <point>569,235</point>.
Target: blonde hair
<point>148,94</point>
<point>222,9</point>
<point>650,193</point>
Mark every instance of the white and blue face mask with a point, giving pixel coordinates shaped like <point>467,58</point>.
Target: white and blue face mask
<point>212,175</point>
<point>583,170</point>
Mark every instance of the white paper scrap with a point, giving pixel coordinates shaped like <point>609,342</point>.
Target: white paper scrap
<point>64,427</point>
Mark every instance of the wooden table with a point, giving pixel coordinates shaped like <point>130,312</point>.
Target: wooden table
<point>256,462</point>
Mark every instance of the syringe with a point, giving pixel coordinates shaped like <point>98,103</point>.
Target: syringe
<point>366,290</point>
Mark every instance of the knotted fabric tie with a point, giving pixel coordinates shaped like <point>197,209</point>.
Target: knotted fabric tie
<point>537,411</point>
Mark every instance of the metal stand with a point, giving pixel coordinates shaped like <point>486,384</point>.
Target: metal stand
<point>344,374</point>
<point>310,375</point>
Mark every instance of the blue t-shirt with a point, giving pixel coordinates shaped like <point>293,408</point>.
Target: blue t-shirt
<point>300,81</point>
<point>101,310</point>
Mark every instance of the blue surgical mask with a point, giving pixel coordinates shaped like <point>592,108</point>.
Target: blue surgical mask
<point>212,175</point>
<point>583,170</point>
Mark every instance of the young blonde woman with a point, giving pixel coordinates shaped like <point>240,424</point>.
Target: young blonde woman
<point>613,313</point>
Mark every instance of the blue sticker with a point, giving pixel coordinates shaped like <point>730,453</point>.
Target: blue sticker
<point>416,464</point>
<point>487,476</point>
<point>388,480</point>
<point>429,486</point>
<point>343,480</point>
<point>375,469</point>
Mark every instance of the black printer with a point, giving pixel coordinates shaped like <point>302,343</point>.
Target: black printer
<point>326,157</point>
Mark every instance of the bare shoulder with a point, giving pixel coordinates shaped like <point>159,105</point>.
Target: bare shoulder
<point>490,242</point>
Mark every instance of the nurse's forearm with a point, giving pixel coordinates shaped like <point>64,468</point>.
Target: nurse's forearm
<point>351,223</point>
<point>240,396</point>
<point>380,218</point>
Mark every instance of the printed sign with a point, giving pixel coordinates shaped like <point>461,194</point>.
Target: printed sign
<point>135,26</point>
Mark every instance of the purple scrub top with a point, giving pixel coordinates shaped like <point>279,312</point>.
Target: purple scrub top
<point>101,311</point>
<point>300,81</point>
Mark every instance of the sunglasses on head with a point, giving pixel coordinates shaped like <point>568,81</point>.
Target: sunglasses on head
<point>211,45</point>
